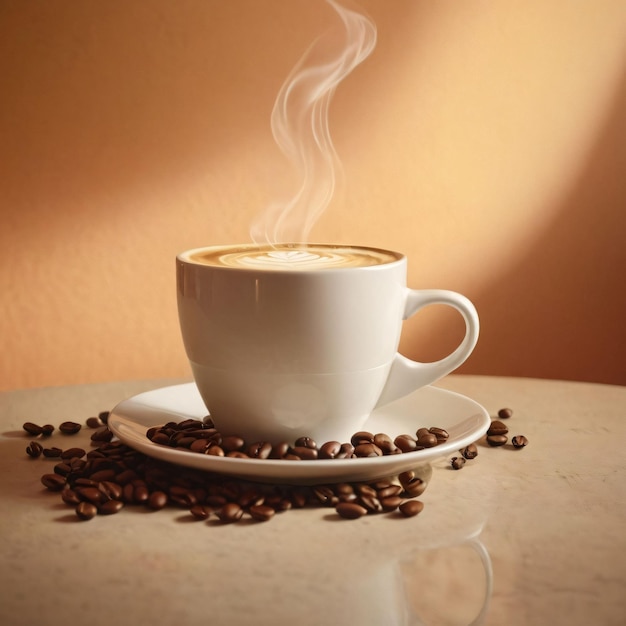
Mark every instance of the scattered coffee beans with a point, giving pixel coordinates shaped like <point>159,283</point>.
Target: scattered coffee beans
<point>69,428</point>
<point>497,428</point>
<point>469,452</point>
<point>34,449</point>
<point>200,436</point>
<point>32,429</point>
<point>519,441</point>
<point>411,508</point>
<point>86,510</point>
<point>111,476</point>
<point>457,462</point>
<point>505,413</point>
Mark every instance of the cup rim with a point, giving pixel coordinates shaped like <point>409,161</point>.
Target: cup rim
<point>185,257</point>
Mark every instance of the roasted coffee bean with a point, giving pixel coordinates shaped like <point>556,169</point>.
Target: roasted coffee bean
<point>102,434</point>
<point>371,503</point>
<point>325,495</point>
<point>34,450</point>
<point>185,442</point>
<point>200,512</point>
<point>386,444</point>
<point>329,450</point>
<point>93,422</point>
<point>111,490</point>
<point>71,453</point>
<point>250,497</point>
<point>141,493</point>
<point>200,445</point>
<point>305,442</point>
<point>179,495</point>
<point>441,434</point>
<point>279,450</point>
<point>261,512</point>
<point>406,443</point>
<point>232,443</point>
<point>103,474</point>
<point>126,476</point>
<point>86,511</point>
<point>367,450</point>
<point>47,430</point>
<point>103,416</point>
<point>259,450</point>
<point>361,437</point>
<point>32,429</point>
<point>350,510</point>
<point>237,454</point>
<point>388,492</point>
<point>53,482</point>
<point>52,453</point>
<point>497,428</point>
<point>157,500</point>
<point>391,503</point>
<point>346,451</point>
<point>496,440</point>
<point>161,439</point>
<point>110,507</point>
<point>428,440</point>
<point>69,496</point>
<point>519,441</point>
<point>415,487</point>
<point>422,432</point>
<point>229,513</point>
<point>304,453</point>
<point>63,469</point>
<point>457,462</point>
<point>90,494</point>
<point>81,481</point>
<point>69,428</point>
<point>505,413</point>
<point>470,451</point>
<point>411,508</point>
<point>215,450</point>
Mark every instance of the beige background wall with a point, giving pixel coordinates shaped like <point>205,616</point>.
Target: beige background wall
<point>486,139</point>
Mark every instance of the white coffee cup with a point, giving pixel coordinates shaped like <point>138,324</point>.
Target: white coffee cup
<point>301,340</point>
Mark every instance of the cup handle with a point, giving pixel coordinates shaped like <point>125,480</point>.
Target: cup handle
<point>406,375</point>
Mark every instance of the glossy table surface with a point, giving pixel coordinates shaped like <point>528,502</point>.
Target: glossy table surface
<point>530,536</point>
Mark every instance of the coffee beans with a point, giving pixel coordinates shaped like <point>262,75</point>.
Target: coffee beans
<point>505,413</point>
<point>34,449</point>
<point>201,437</point>
<point>519,441</point>
<point>497,440</point>
<point>411,508</point>
<point>112,476</point>
<point>69,428</point>
<point>86,511</point>
<point>470,452</point>
<point>32,429</point>
<point>350,510</point>
<point>457,462</point>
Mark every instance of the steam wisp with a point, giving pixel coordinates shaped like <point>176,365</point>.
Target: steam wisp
<point>300,126</point>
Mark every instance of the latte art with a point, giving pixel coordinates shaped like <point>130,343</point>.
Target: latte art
<point>291,257</point>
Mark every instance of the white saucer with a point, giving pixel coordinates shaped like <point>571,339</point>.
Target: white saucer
<point>465,420</point>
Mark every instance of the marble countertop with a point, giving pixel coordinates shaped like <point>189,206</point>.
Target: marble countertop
<point>530,536</point>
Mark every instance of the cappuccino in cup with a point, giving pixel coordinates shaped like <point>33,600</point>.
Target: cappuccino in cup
<point>291,257</point>
<point>301,340</point>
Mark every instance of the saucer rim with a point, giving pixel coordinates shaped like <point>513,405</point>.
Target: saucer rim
<point>131,417</point>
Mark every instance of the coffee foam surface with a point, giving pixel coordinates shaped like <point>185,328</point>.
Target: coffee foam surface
<point>292,257</point>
